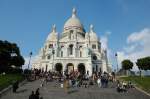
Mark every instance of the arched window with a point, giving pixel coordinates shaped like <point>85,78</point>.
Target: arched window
<point>80,51</point>
<point>50,45</point>
<point>96,68</point>
<point>61,51</point>
<point>93,46</point>
<point>71,33</point>
<point>48,57</point>
<point>71,49</point>
<point>94,57</point>
<point>61,54</point>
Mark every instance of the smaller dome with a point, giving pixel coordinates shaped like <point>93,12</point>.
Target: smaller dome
<point>53,35</point>
<point>92,34</point>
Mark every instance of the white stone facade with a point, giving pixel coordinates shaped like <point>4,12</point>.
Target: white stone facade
<point>73,49</point>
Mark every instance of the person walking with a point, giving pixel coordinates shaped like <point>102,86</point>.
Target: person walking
<point>37,94</point>
<point>99,82</point>
<point>15,86</point>
<point>32,95</point>
<point>66,85</point>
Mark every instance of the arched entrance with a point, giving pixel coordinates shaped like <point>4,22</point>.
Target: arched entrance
<point>58,67</point>
<point>81,68</point>
<point>70,67</point>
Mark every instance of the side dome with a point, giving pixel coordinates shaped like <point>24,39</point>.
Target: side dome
<point>73,22</point>
<point>53,35</point>
<point>92,34</point>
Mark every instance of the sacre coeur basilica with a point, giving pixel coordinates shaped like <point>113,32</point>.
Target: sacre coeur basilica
<point>72,50</point>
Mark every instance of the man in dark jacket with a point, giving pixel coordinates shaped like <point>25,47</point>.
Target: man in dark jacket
<point>15,86</point>
<point>32,96</point>
<point>37,93</point>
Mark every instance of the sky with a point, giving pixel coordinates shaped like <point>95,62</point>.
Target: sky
<point>122,25</point>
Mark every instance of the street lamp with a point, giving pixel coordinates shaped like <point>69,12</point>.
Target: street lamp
<point>30,54</point>
<point>116,55</point>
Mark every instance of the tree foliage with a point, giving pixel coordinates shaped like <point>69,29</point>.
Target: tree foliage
<point>9,55</point>
<point>143,63</point>
<point>127,64</point>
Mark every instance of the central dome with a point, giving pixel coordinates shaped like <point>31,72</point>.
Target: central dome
<point>73,22</point>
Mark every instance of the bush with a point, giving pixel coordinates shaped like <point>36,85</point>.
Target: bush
<point>27,71</point>
<point>14,71</point>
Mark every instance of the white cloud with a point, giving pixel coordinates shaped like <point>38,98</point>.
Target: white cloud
<point>104,40</point>
<point>137,46</point>
<point>104,45</point>
<point>139,36</point>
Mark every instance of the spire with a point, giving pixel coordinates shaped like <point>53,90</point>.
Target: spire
<point>54,28</point>
<point>91,28</point>
<point>74,12</point>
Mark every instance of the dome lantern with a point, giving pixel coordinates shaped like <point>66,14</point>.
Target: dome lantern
<point>74,12</point>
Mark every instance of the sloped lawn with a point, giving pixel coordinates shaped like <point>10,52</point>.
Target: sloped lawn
<point>141,82</point>
<point>8,79</point>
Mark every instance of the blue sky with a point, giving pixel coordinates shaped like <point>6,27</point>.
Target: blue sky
<point>28,22</point>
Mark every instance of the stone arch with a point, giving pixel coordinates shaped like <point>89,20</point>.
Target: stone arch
<point>58,67</point>
<point>81,68</point>
<point>70,67</point>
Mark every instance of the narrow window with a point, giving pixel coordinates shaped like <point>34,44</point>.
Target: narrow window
<point>48,57</point>
<point>71,49</point>
<point>94,46</point>
<point>80,51</point>
<point>50,45</point>
<point>61,53</point>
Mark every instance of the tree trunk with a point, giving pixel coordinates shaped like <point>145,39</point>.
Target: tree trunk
<point>140,73</point>
<point>126,72</point>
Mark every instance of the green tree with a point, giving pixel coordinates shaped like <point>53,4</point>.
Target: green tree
<point>143,63</point>
<point>127,65</point>
<point>9,55</point>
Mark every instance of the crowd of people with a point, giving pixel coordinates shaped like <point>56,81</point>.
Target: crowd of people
<point>74,79</point>
<point>124,86</point>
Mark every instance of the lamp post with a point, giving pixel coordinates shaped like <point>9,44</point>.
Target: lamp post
<point>116,55</point>
<point>30,54</point>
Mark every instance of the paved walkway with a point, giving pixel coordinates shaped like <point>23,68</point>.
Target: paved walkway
<point>52,91</point>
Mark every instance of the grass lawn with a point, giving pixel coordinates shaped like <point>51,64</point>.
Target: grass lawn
<point>141,82</point>
<point>6,80</point>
